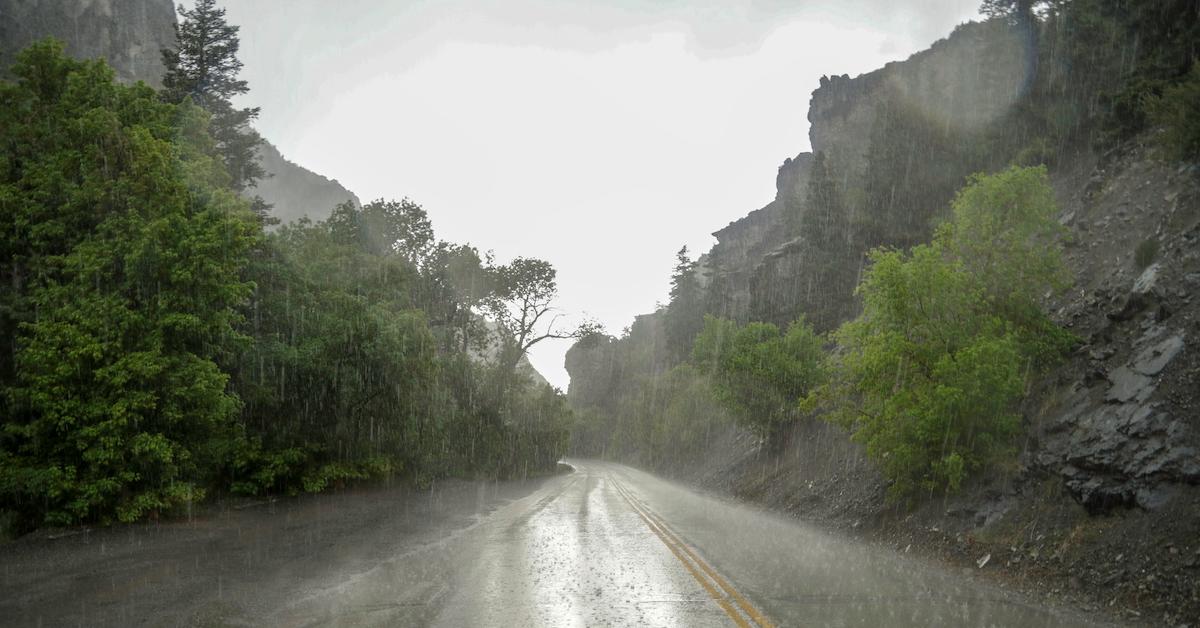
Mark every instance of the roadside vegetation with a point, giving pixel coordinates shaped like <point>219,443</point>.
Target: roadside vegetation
<point>162,345</point>
<point>928,376</point>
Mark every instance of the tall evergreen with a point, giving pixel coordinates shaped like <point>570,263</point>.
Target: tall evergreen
<point>204,67</point>
<point>685,313</point>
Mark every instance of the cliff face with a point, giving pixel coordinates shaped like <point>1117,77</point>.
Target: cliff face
<point>601,366</point>
<point>764,267</point>
<point>129,34</point>
<point>963,82</point>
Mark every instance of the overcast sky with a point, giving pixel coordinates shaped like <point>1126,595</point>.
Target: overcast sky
<point>600,136</point>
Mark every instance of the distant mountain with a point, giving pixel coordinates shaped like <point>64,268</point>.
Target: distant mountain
<point>296,191</point>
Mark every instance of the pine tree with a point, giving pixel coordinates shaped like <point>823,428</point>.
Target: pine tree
<point>685,313</point>
<point>204,67</point>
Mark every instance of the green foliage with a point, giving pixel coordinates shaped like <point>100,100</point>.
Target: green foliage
<point>125,262</point>
<point>663,419</point>
<point>1116,58</point>
<point>160,347</point>
<point>759,374</point>
<point>930,373</point>
<point>1175,110</point>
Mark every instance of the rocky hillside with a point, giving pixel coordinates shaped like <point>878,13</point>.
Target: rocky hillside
<point>1103,504</point>
<point>129,35</point>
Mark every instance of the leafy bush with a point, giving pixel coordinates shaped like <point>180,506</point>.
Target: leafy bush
<point>759,374</point>
<point>931,371</point>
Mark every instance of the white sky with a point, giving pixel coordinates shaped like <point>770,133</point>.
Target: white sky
<point>598,136</point>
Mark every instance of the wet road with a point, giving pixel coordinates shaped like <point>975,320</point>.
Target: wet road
<point>612,546</point>
<point>606,545</point>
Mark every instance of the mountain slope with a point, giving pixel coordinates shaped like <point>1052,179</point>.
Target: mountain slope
<point>296,191</point>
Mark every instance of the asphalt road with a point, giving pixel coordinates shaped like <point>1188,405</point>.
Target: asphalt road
<point>606,545</point>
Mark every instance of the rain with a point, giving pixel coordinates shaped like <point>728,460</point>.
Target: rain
<point>618,313</point>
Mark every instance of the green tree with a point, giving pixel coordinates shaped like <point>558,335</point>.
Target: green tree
<point>929,374</point>
<point>204,67</point>
<point>522,305</point>
<point>759,374</point>
<point>125,251</point>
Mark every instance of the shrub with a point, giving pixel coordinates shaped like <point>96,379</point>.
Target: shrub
<point>931,371</point>
<point>759,374</point>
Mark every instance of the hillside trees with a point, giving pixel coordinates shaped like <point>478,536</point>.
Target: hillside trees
<point>160,346</point>
<point>1175,111</point>
<point>342,377</point>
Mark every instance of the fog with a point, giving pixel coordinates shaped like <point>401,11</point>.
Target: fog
<point>600,138</point>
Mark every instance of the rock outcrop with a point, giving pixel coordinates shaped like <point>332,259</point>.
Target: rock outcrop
<point>129,34</point>
<point>742,244</point>
<point>761,267</point>
<point>964,82</point>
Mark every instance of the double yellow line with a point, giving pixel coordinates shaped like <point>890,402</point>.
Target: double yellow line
<point>739,609</point>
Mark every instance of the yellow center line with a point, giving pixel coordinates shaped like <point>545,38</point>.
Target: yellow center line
<point>745,604</point>
<point>683,552</point>
<point>712,591</point>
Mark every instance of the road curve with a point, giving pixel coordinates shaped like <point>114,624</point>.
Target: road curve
<point>613,546</point>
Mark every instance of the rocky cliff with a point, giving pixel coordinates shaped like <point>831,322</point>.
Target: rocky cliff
<point>964,83</point>
<point>741,245</point>
<point>764,267</point>
<point>130,35</point>
<point>127,33</point>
